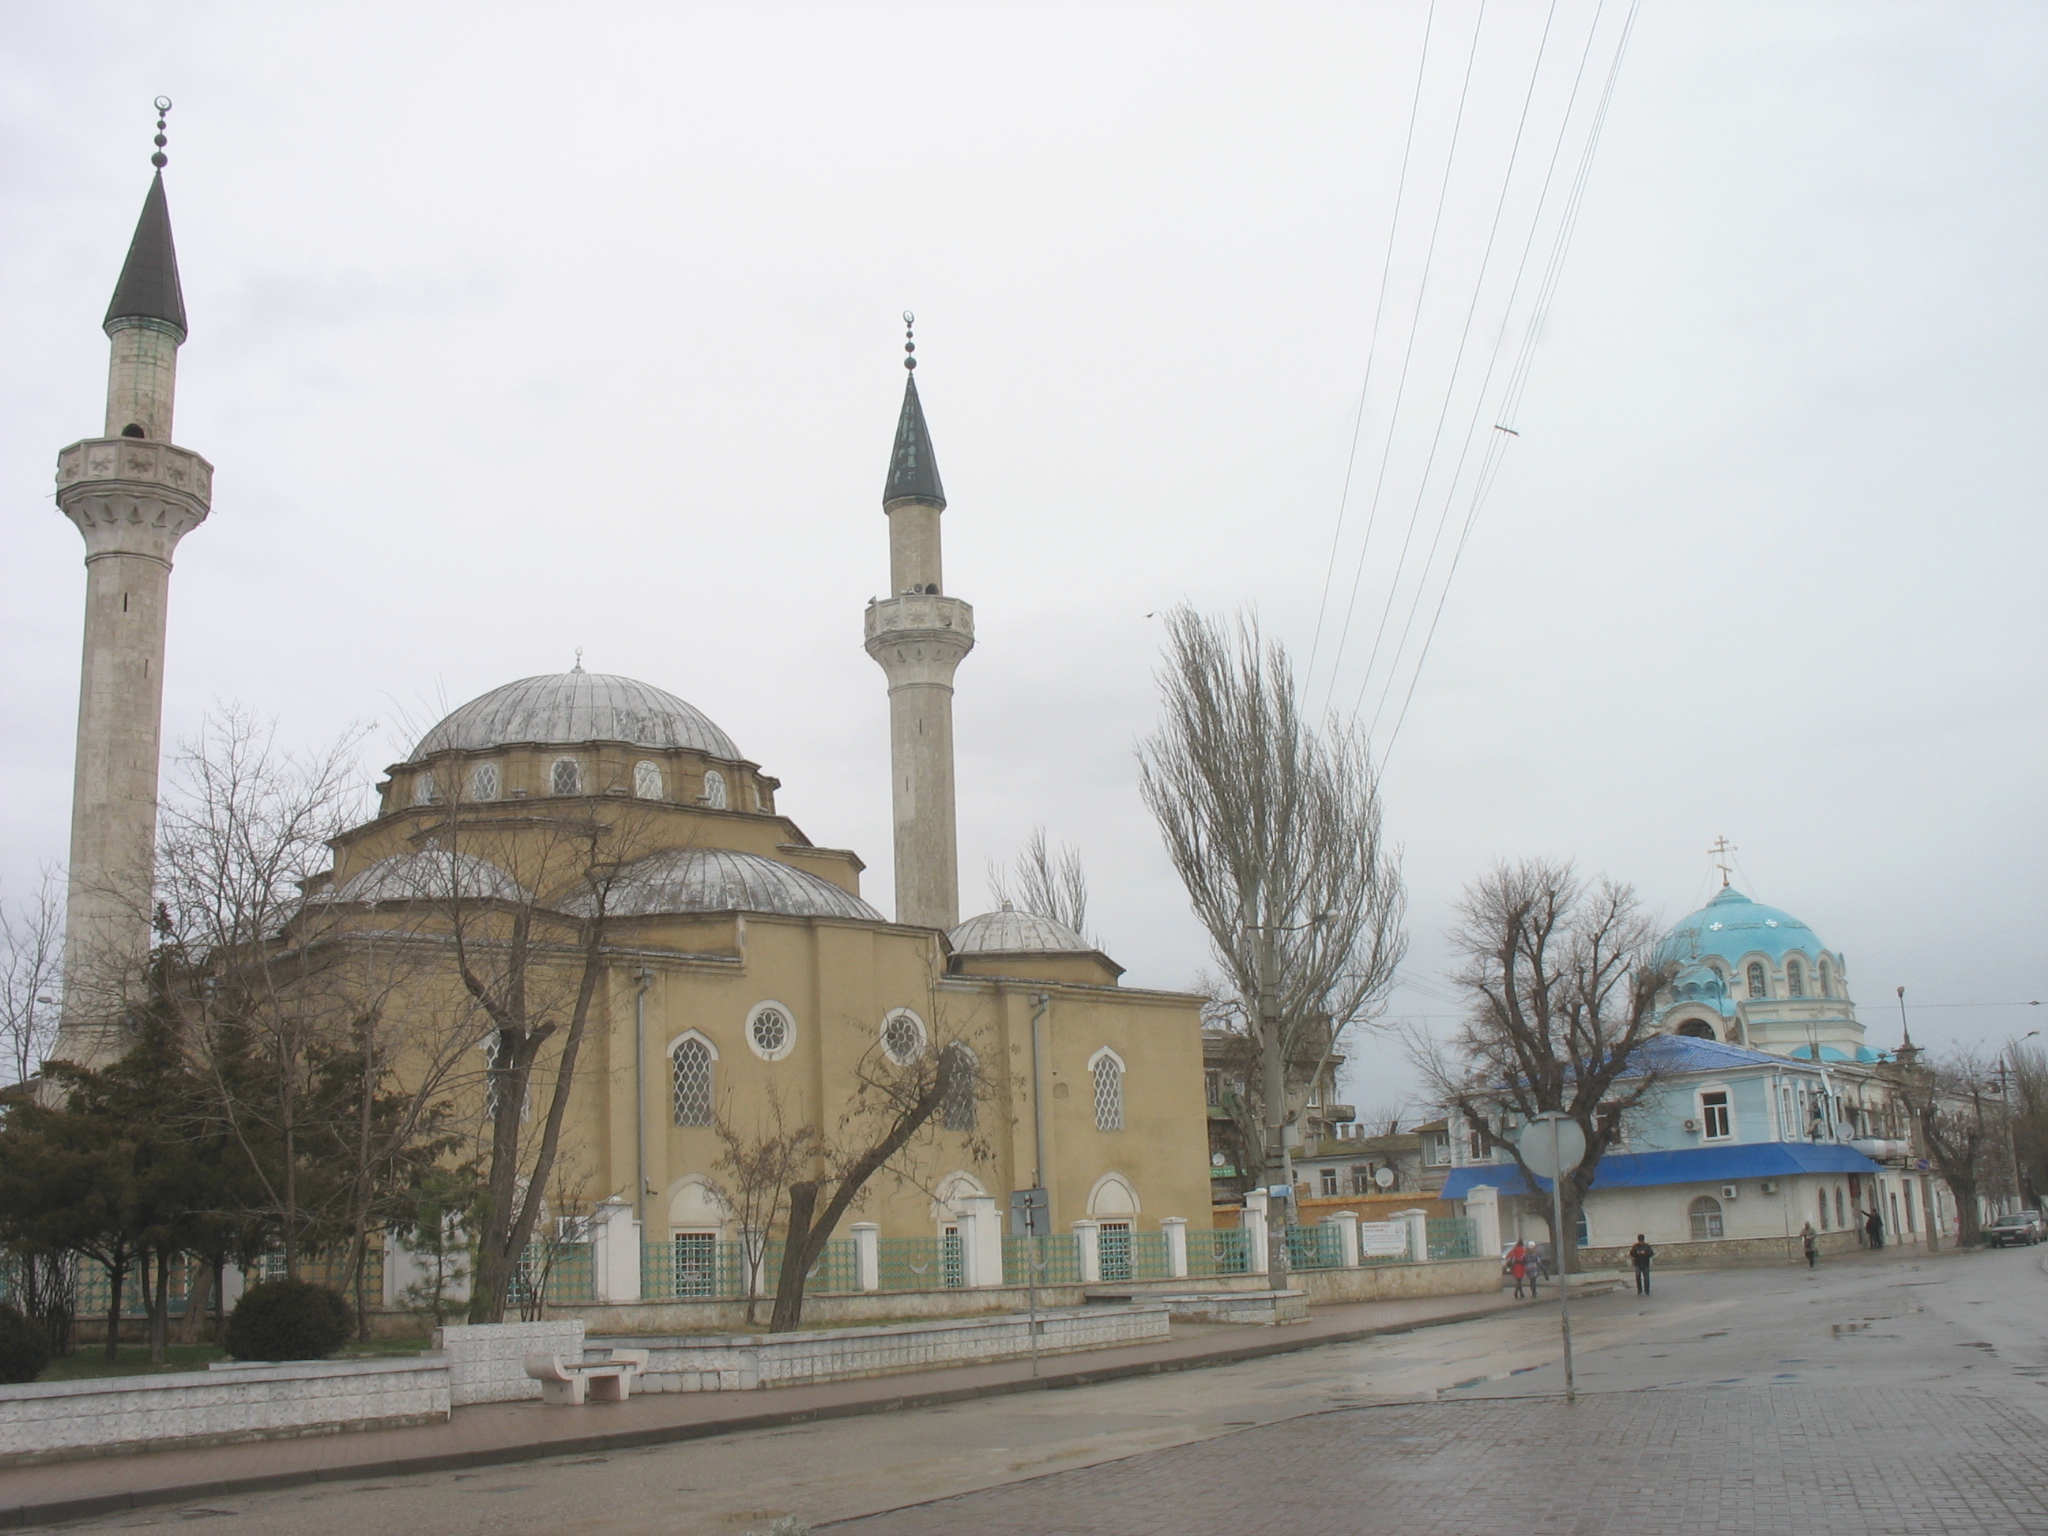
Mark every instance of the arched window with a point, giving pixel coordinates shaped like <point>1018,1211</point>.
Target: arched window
<point>714,789</point>
<point>1108,1071</point>
<point>903,1036</point>
<point>1823,1210</point>
<point>690,1079</point>
<point>1705,1215</point>
<point>1697,1029</point>
<point>1795,979</point>
<point>1758,986</point>
<point>423,789</point>
<point>483,782</point>
<point>567,777</point>
<point>647,780</point>
<point>1827,979</point>
<point>958,1111</point>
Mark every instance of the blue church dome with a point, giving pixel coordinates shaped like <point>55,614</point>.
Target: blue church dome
<point>1731,926</point>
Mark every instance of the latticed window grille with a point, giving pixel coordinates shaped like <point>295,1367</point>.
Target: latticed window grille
<point>1757,984</point>
<point>691,1061</point>
<point>902,1036</point>
<point>647,780</point>
<point>958,1112</point>
<point>483,782</point>
<point>1705,1216</point>
<point>714,789</point>
<point>771,1031</point>
<point>1113,1250</point>
<point>567,778</point>
<point>1109,1095</point>
<point>696,1263</point>
<point>1795,979</point>
<point>423,789</point>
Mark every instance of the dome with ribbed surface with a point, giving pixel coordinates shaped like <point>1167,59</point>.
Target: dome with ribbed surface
<point>565,708</point>
<point>431,875</point>
<point>1010,932</point>
<point>725,880</point>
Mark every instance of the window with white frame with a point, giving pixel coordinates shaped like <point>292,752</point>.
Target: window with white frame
<point>695,1259</point>
<point>1795,979</point>
<point>1715,1123</point>
<point>771,1031</point>
<point>1108,1071</point>
<point>1759,984</point>
<point>483,782</point>
<point>647,780</point>
<point>1436,1149</point>
<point>714,789</point>
<point>903,1036</point>
<point>690,1081</point>
<point>566,777</point>
<point>1705,1217</point>
<point>1329,1181</point>
<point>1361,1178</point>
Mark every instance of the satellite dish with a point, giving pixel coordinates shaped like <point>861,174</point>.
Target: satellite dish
<point>1384,1177</point>
<point>1218,1160</point>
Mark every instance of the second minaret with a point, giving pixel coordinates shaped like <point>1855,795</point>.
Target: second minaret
<point>919,636</point>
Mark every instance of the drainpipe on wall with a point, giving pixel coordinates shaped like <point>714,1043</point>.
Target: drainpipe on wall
<point>646,979</point>
<point>1040,1002</point>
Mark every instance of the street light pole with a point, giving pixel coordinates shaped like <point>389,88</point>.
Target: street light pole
<point>1564,1289</point>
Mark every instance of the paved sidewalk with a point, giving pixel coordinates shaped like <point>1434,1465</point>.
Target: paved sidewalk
<point>1775,1461</point>
<point>500,1433</point>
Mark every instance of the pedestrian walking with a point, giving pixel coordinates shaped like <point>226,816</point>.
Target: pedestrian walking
<point>1809,1242</point>
<point>1518,1265</point>
<point>1875,1227</point>
<point>1640,1256</point>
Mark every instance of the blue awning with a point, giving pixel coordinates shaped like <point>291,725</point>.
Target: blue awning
<point>1687,1165</point>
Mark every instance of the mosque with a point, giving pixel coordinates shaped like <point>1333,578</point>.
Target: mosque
<point>742,963</point>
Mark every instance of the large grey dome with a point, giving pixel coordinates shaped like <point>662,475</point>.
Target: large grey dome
<point>563,708</point>
<point>1010,932</point>
<point>433,874</point>
<point>723,880</point>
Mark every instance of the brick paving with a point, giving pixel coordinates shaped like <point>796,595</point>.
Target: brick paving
<point>1792,1459</point>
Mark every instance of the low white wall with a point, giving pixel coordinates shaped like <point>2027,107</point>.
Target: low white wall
<point>487,1361</point>
<point>744,1361</point>
<point>119,1415</point>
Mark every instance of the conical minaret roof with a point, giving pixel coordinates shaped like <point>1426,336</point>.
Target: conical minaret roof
<point>913,468</point>
<point>149,287</point>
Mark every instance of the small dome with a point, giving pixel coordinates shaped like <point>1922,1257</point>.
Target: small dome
<point>1731,926</point>
<point>1010,932</point>
<point>562,708</point>
<point>722,880</point>
<point>432,875</point>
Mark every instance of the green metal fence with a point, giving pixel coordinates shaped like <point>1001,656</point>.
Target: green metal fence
<point>1317,1247</point>
<point>691,1266</point>
<point>916,1264</point>
<point>1221,1251</point>
<point>836,1269</point>
<point>1058,1260</point>
<point>1453,1237</point>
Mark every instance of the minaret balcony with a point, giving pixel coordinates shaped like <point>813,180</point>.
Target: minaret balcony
<point>131,495</point>
<point>919,637</point>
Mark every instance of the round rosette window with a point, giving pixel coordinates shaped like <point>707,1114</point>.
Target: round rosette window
<point>771,1031</point>
<point>903,1036</point>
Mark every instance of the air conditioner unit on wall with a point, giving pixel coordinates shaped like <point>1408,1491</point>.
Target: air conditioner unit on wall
<point>1692,1125</point>
<point>1730,1191</point>
<point>1769,1186</point>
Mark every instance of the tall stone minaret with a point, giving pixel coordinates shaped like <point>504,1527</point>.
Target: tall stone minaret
<point>919,636</point>
<point>133,495</point>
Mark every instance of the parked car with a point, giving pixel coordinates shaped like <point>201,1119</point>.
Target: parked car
<point>2022,1229</point>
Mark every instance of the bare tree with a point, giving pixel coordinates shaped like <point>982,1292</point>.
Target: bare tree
<point>1954,1100</point>
<point>894,1107</point>
<point>1050,884</point>
<point>1561,999</point>
<point>757,1165</point>
<point>31,956</point>
<point>2030,1122</point>
<point>1273,825</point>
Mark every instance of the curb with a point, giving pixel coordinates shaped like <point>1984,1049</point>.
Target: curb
<point>19,1516</point>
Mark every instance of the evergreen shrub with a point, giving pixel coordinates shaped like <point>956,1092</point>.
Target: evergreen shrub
<point>287,1320</point>
<point>24,1348</point>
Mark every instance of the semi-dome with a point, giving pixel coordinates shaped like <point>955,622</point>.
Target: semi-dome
<point>433,874</point>
<point>1010,932</point>
<point>725,880</point>
<point>563,708</point>
<point>1731,926</point>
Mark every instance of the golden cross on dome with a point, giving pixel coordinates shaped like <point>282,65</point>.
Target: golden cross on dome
<point>1721,849</point>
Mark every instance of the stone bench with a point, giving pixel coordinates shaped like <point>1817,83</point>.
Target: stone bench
<point>606,1378</point>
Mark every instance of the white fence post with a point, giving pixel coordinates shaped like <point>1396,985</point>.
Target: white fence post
<point>867,1255</point>
<point>982,1243</point>
<point>1253,1221</point>
<point>614,1252</point>
<point>1347,1237</point>
<point>1482,1204</point>
<point>1418,1234</point>
<point>1176,1230</point>
<point>1088,1239</point>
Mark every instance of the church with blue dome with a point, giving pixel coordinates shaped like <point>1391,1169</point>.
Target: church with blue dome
<point>1758,977</point>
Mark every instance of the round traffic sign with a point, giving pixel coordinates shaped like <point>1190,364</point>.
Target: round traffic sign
<point>1549,1142</point>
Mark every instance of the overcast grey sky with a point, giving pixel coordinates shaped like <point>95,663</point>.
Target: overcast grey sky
<point>522,328</point>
